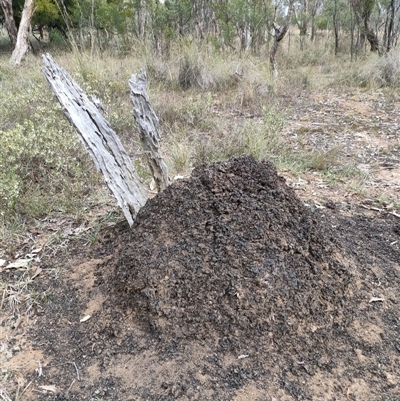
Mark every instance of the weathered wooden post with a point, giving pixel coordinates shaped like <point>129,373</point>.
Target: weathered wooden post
<point>99,139</point>
<point>149,129</point>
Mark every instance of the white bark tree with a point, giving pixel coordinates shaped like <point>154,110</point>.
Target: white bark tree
<point>22,45</point>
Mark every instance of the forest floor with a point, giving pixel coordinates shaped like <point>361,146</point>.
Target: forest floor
<point>234,284</point>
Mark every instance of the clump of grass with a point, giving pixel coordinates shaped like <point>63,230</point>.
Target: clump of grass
<point>383,71</point>
<point>182,112</point>
<point>212,148</point>
<point>323,160</point>
<point>193,65</point>
<point>259,138</point>
<point>192,73</point>
<point>180,155</point>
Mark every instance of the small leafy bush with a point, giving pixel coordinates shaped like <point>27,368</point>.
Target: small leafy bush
<point>41,160</point>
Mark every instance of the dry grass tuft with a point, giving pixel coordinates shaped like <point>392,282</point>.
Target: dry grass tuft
<point>383,71</point>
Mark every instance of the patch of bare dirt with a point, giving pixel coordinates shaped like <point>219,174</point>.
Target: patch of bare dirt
<point>227,287</point>
<point>357,131</point>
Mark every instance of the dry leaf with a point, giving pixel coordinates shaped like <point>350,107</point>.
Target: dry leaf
<point>87,317</point>
<point>51,388</point>
<point>18,322</point>
<point>37,272</point>
<point>2,262</point>
<point>153,185</point>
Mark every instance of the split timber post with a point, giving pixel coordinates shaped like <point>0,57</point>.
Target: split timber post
<point>99,139</point>
<point>149,128</point>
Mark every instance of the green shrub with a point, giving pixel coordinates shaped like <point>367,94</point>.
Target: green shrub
<point>42,162</point>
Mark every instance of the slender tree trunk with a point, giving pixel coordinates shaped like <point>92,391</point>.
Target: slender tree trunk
<point>352,29</point>
<point>302,19</point>
<point>22,45</point>
<point>278,35</point>
<point>390,28</point>
<point>141,20</point>
<point>313,30</point>
<point>314,10</point>
<point>336,28</point>
<point>6,6</point>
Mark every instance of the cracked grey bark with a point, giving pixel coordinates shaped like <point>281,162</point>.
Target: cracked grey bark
<point>102,143</point>
<point>149,129</point>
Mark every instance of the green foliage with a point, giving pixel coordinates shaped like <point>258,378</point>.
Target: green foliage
<point>57,39</point>
<point>113,16</point>
<point>234,15</point>
<point>46,12</point>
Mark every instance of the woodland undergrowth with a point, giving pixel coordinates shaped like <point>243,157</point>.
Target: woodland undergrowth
<point>212,105</point>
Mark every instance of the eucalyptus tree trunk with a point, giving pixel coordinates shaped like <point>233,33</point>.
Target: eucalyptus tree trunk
<point>22,45</point>
<point>140,19</point>
<point>314,9</point>
<point>6,6</point>
<point>389,31</point>
<point>245,34</point>
<point>302,18</point>
<point>278,34</point>
<point>362,10</point>
<point>371,35</point>
<point>336,23</point>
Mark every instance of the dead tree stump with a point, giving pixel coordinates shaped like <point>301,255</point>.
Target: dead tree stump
<point>149,129</point>
<point>99,139</point>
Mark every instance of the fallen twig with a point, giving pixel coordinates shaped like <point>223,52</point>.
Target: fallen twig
<point>40,369</point>
<point>26,388</point>
<point>77,371</point>
<point>375,299</point>
<point>70,386</point>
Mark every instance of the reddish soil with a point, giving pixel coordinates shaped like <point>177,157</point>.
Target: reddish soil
<point>226,288</point>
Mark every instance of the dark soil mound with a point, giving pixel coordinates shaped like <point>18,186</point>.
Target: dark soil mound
<point>233,254</point>
<point>226,288</point>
